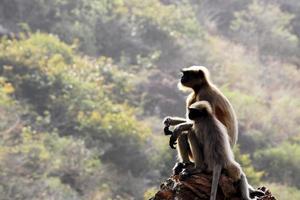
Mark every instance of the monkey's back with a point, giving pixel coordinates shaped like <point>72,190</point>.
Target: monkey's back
<point>221,108</point>
<point>213,136</point>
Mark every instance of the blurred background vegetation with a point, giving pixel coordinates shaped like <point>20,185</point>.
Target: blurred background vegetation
<point>84,85</point>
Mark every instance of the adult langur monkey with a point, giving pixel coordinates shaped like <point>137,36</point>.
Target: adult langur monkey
<point>197,80</point>
<point>209,143</point>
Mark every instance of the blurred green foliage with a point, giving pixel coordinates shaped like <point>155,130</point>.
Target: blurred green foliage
<point>253,175</point>
<point>116,28</point>
<point>63,93</point>
<point>51,166</point>
<point>283,192</point>
<point>267,27</point>
<point>277,159</point>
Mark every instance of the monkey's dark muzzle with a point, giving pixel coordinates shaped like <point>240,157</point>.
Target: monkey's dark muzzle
<point>183,80</point>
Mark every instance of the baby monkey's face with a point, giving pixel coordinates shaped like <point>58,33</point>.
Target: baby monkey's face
<point>195,114</point>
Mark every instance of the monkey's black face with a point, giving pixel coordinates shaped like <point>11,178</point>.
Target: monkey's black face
<point>185,77</point>
<point>191,78</point>
<point>196,113</point>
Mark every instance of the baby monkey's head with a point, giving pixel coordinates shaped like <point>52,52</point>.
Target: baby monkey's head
<point>199,110</point>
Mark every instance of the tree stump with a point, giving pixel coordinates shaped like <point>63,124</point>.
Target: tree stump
<point>197,187</point>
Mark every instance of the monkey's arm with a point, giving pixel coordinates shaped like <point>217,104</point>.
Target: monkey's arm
<point>172,121</point>
<point>178,131</point>
<point>181,128</point>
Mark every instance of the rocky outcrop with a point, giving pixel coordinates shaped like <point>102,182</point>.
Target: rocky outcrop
<point>197,187</point>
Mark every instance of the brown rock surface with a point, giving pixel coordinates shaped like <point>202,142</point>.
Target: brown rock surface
<point>197,187</point>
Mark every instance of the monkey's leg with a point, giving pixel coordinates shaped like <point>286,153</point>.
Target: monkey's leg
<point>183,148</point>
<point>247,191</point>
<point>196,149</point>
<point>215,181</point>
<point>183,154</point>
<point>243,185</point>
<point>234,171</point>
<point>197,154</point>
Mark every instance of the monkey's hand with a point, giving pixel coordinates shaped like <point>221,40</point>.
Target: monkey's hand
<point>172,141</point>
<point>167,131</point>
<point>167,121</point>
<point>177,131</point>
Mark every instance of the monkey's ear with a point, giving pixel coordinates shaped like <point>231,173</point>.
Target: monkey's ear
<point>201,73</point>
<point>204,112</point>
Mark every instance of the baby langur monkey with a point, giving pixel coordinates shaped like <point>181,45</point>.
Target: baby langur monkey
<point>209,144</point>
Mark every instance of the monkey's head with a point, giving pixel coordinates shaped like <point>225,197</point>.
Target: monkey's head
<point>194,77</point>
<point>199,110</point>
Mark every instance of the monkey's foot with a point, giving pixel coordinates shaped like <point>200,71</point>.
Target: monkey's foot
<point>187,172</point>
<point>256,193</point>
<point>179,166</point>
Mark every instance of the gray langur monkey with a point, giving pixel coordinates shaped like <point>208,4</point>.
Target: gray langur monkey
<point>197,80</point>
<point>209,144</point>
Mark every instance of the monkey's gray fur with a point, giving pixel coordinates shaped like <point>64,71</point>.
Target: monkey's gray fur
<point>209,144</point>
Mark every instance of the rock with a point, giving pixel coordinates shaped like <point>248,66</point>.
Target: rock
<point>197,187</point>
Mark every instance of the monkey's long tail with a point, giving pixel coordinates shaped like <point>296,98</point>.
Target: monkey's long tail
<point>215,181</point>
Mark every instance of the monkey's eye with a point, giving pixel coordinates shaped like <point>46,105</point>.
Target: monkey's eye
<point>185,74</point>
